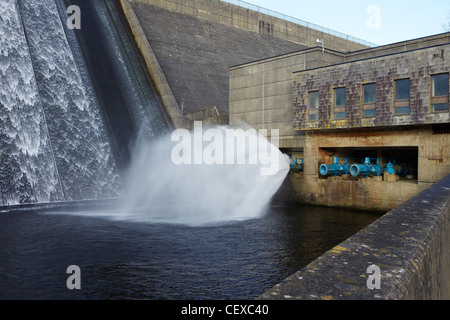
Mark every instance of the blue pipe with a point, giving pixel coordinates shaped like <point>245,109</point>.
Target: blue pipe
<point>296,167</point>
<point>335,169</point>
<point>401,169</point>
<point>367,169</point>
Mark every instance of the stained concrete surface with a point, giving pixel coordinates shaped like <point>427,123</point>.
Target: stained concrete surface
<point>195,54</point>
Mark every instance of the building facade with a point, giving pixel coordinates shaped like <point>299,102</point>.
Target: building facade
<point>389,104</point>
<point>400,89</point>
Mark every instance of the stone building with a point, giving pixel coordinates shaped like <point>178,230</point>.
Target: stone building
<point>388,103</point>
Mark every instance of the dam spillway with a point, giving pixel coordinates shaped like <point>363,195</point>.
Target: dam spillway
<point>66,125</point>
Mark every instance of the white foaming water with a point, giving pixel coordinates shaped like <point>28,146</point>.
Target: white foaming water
<point>199,194</point>
<point>27,165</point>
<point>161,191</point>
<point>83,154</point>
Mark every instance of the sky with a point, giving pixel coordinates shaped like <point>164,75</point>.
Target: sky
<point>377,21</point>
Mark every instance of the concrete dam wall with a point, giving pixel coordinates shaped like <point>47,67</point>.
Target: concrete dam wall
<point>195,54</point>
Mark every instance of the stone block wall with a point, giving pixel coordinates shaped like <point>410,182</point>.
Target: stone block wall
<point>417,65</point>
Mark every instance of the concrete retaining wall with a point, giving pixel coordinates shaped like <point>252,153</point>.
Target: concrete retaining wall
<point>433,163</point>
<point>410,245</point>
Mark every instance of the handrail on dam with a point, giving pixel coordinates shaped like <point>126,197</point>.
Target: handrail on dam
<point>304,23</point>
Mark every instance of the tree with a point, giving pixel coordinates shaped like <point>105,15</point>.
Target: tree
<point>446,24</point>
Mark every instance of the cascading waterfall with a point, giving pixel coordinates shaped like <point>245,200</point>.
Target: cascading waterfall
<point>28,170</point>
<point>150,120</point>
<point>59,140</point>
<point>80,143</point>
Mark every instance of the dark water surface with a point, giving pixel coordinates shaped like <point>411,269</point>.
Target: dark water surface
<point>131,260</point>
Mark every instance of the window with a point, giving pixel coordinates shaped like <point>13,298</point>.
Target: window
<point>313,106</point>
<point>369,100</point>
<point>402,97</point>
<point>370,93</point>
<point>265,28</point>
<point>440,92</point>
<point>339,103</point>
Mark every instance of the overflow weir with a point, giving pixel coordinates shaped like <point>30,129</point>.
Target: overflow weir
<point>84,97</point>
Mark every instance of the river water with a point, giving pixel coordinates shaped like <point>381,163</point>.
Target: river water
<point>122,259</point>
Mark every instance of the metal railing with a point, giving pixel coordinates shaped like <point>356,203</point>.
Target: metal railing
<point>304,23</point>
